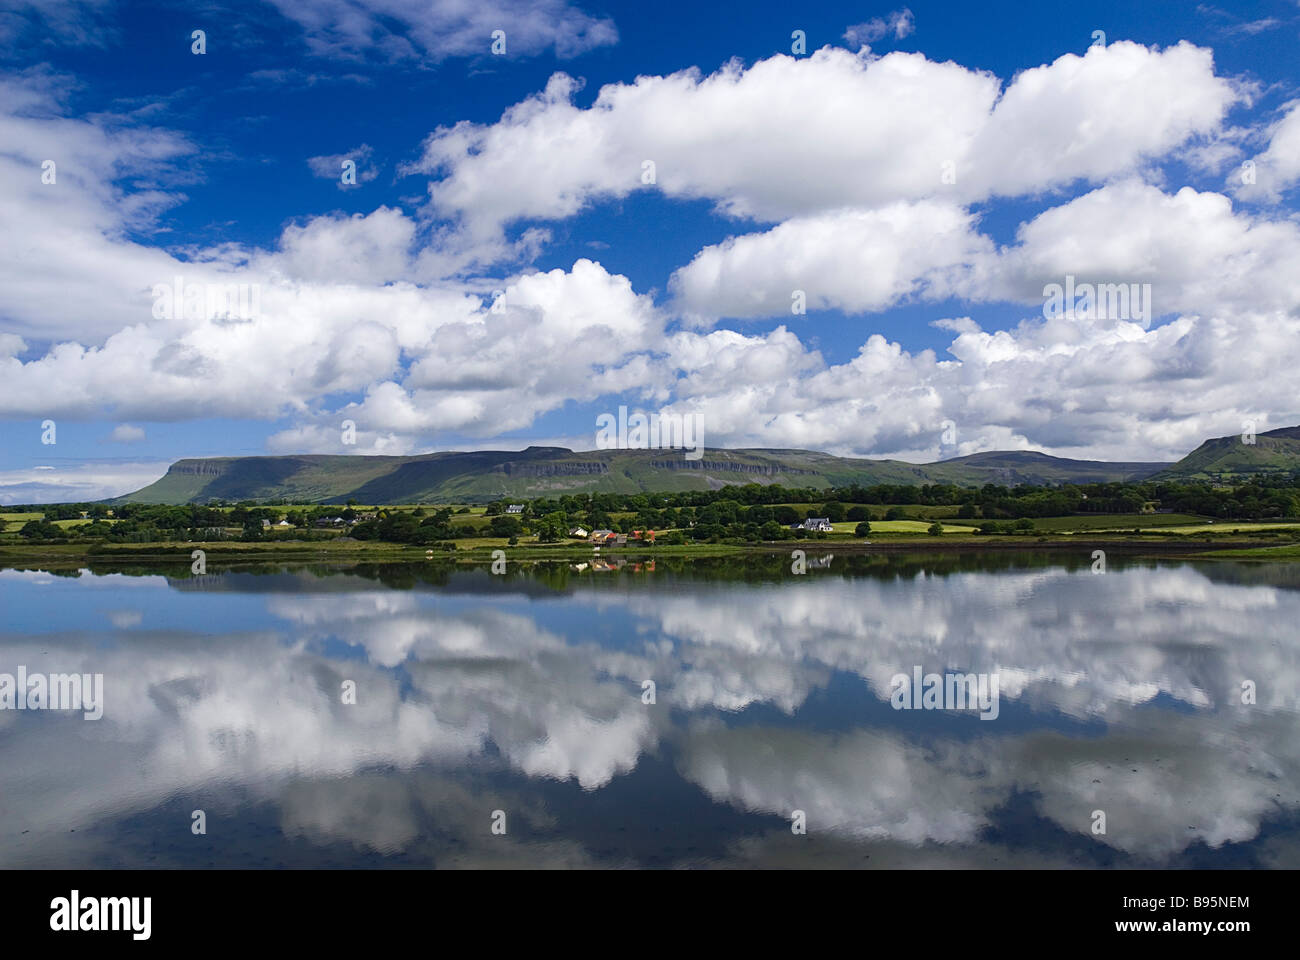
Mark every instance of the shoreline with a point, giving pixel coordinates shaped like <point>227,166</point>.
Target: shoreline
<point>363,551</point>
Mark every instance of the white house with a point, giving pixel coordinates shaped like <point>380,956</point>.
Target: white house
<point>515,508</point>
<point>816,525</point>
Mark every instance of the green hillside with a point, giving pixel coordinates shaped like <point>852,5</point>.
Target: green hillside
<point>483,475</point>
<point>1228,458</point>
<point>1028,466</point>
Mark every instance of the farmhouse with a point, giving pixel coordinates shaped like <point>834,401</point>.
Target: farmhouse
<point>515,508</point>
<point>579,532</point>
<point>816,525</point>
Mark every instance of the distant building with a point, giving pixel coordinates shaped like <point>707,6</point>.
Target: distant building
<point>600,536</point>
<point>815,525</point>
<point>515,508</point>
<point>579,532</point>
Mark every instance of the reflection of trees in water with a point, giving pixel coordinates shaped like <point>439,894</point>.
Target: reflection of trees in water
<point>525,575</point>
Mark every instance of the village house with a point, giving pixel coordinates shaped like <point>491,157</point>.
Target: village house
<point>579,532</point>
<point>515,508</point>
<point>600,536</point>
<point>815,525</point>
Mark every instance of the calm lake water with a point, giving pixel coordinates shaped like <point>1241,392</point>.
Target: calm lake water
<point>518,700</point>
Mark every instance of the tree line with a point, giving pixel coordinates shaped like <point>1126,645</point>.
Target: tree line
<point>751,512</point>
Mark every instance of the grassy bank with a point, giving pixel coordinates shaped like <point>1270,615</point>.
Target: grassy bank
<point>481,550</point>
<point>1290,551</point>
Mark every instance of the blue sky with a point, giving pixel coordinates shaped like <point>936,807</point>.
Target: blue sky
<point>1120,161</point>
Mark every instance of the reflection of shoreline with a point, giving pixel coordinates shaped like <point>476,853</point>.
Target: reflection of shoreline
<point>608,565</point>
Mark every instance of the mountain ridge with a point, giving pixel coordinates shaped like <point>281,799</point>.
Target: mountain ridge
<point>477,476</point>
<point>1236,457</point>
<point>483,475</point>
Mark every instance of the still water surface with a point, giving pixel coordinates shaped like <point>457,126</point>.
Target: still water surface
<point>520,698</point>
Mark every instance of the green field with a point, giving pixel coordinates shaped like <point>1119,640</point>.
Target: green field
<point>1114,521</point>
<point>901,526</point>
<point>1289,552</point>
<point>1230,526</point>
<point>920,511</point>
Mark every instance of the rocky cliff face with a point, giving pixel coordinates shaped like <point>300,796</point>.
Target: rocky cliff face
<point>199,468</point>
<point>570,469</point>
<point>728,466</point>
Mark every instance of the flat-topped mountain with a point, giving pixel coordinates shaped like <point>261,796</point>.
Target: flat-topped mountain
<point>483,475</point>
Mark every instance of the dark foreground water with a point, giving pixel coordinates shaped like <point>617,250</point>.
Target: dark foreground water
<point>518,702</point>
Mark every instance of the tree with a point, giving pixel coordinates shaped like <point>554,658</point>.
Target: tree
<point>863,529</point>
<point>400,528</point>
<point>552,528</point>
<point>785,514</point>
<point>39,530</point>
<point>935,529</point>
<point>503,526</point>
<point>857,513</point>
<point>833,511</point>
<point>896,513</point>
